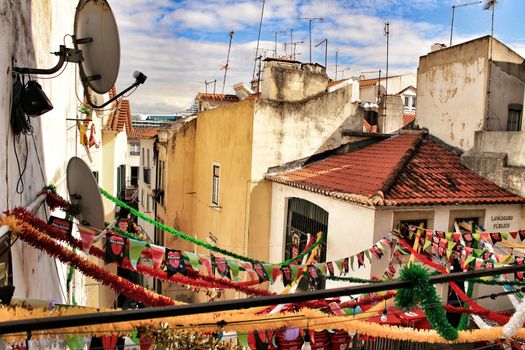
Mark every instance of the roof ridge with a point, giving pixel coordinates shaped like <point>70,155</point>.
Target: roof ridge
<point>391,179</point>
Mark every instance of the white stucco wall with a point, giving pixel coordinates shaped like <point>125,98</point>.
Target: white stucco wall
<point>281,128</point>
<point>350,228</point>
<point>450,97</point>
<point>353,228</point>
<point>30,30</point>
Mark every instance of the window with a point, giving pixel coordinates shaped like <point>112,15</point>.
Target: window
<point>147,158</point>
<point>409,103</point>
<point>142,198</point>
<point>159,194</point>
<point>215,184</point>
<point>514,117</point>
<point>305,217</point>
<point>134,176</point>
<point>142,156</point>
<point>134,149</point>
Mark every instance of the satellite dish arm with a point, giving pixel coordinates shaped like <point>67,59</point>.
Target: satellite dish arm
<point>140,78</point>
<point>65,55</point>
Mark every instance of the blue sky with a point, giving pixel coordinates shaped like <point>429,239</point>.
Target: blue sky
<point>180,44</point>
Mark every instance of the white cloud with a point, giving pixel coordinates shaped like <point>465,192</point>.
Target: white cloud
<point>181,44</point>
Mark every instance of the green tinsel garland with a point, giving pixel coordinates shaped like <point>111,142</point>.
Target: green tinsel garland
<point>199,242</point>
<point>497,283</point>
<point>422,292</point>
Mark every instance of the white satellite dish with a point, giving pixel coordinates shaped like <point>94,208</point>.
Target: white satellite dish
<point>96,34</point>
<point>86,203</point>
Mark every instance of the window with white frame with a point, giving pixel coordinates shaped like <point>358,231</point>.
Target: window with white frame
<point>134,148</point>
<point>409,103</point>
<point>215,183</point>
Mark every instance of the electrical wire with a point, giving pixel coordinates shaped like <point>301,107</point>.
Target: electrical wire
<point>20,187</point>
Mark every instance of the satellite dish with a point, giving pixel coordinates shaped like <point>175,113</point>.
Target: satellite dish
<point>96,34</point>
<point>86,203</point>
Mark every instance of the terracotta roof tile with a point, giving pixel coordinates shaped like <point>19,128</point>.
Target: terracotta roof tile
<point>368,82</point>
<point>408,118</point>
<point>120,118</point>
<point>404,170</point>
<point>143,133</point>
<point>335,82</point>
<point>217,97</point>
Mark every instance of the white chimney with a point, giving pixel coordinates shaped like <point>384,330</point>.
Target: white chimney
<point>242,91</point>
<point>437,47</point>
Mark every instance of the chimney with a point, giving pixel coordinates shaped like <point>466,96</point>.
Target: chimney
<point>242,91</point>
<point>437,47</point>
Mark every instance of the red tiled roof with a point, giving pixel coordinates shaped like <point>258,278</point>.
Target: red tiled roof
<point>143,133</point>
<point>217,97</point>
<point>403,170</point>
<point>120,118</point>
<point>368,82</point>
<point>408,118</point>
<point>335,82</point>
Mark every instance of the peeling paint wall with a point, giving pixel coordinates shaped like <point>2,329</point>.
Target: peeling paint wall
<point>452,87</point>
<point>287,131</point>
<point>30,30</point>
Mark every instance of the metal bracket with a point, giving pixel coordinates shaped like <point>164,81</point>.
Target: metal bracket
<point>65,55</point>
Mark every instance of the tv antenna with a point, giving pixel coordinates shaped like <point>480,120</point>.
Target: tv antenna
<point>258,40</point>
<point>310,19</point>
<point>206,83</point>
<point>387,34</point>
<point>275,47</point>
<point>227,61</point>
<point>96,50</point>
<point>325,41</point>
<point>453,13</point>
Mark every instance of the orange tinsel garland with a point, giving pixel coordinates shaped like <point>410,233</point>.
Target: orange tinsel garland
<point>38,240</point>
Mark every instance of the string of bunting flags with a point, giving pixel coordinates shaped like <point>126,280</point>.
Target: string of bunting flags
<point>471,249</point>
<point>174,261</point>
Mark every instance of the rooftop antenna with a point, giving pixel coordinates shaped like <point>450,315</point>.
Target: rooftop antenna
<point>491,4</point>
<point>453,13</point>
<point>214,82</point>
<point>325,41</point>
<point>294,43</point>
<point>387,34</point>
<point>258,40</point>
<point>228,61</point>
<point>336,63</point>
<point>97,51</point>
<point>277,33</point>
<point>310,19</point>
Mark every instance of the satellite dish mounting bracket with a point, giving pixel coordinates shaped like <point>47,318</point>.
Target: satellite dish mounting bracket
<point>140,78</point>
<point>65,55</point>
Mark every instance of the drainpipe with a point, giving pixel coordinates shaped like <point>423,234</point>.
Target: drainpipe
<point>156,283</point>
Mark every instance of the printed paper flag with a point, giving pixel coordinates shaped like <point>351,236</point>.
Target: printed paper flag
<point>115,249</point>
<point>345,265</point>
<point>157,255</point>
<point>207,265</point>
<point>449,252</point>
<point>243,340</point>
<point>427,244</point>
<point>479,263</point>
<point>63,225</point>
<point>276,272</point>
<point>135,250</point>
<point>75,342</point>
<point>222,266</point>
<point>360,259</point>
<point>248,268</point>
<point>451,245</point>
<point>313,273</point>
<point>268,268</point>
<point>339,264</point>
<point>476,236</point>
<point>376,251</point>
<point>496,237</point>
<point>367,254</point>
<point>296,272</point>
<point>521,233</point>
<point>87,235</point>
<point>321,267</point>
<point>193,259</point>
<point>456,236</point>
<point>175,262</point>
<point>234,268</point>
<point>513,234</point>
<point>287,275</point>
<point>448,236</point>
<point>485,237</point>
<point>261,272</point>
<point>505,235</point>
<point>330,267</point>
